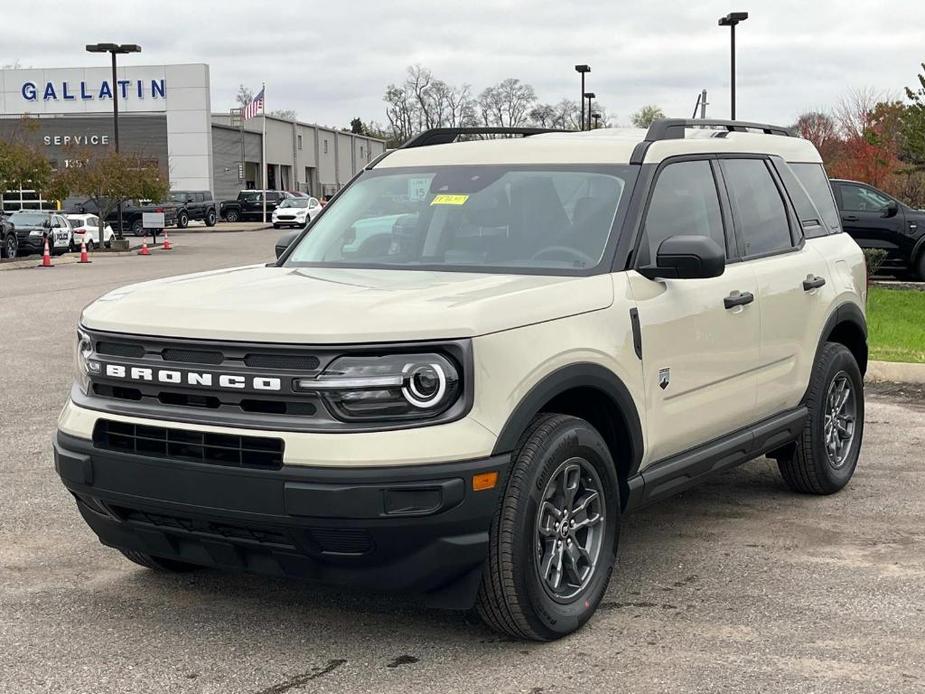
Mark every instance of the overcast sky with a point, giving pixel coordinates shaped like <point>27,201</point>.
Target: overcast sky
<point>331,61</point>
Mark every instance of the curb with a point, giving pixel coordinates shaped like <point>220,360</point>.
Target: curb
<point>895,372</point>
<point>34,261</point>
<point>894,284</point>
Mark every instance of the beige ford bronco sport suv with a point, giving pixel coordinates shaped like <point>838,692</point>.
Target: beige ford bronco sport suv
<point>475,361</point>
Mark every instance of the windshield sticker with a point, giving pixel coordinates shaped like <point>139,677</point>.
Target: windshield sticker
<point>450,200</point>
<point>418,188</point>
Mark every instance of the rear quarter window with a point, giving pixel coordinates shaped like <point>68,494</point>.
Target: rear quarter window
<point>816,184</point>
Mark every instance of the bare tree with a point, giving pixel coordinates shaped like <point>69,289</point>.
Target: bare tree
<point>507,104</point>
<point>244,96</point>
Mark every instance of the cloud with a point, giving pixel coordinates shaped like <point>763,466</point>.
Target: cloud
<point>332,61</point>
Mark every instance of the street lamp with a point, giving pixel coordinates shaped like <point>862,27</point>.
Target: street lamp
<point>730,20</point>
<point>115,49</point>
<point>589,96</point>
<point>582,69</point>
<point>597,120</point>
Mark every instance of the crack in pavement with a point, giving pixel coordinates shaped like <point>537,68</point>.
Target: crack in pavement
<point>304,678</point>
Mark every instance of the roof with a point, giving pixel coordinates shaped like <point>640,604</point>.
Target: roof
<point>602,146</point>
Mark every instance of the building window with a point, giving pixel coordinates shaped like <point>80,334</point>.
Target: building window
<point>361,151</point>
<point>325,146</point>
<point>299,139</point>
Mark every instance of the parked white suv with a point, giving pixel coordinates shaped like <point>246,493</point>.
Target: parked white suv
<point>549,332</point>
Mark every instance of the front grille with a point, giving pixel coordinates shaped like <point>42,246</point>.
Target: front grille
<point>342,540</point>
<point>298,362</point>
<point>120,349</point>
<point>192,356</point>
<point>228,531</point>
<point>193,446</point>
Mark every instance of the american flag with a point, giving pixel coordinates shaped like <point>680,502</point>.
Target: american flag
<point>255,105</point>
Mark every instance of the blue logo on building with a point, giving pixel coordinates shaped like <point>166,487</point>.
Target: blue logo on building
<point>67,91</point>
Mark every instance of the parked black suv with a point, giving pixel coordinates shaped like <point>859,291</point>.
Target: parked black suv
<point>877,220</point>
<point>249,205</point>
<point>194,204</point>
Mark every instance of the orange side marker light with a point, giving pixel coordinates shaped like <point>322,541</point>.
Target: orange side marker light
<point>484,480</point>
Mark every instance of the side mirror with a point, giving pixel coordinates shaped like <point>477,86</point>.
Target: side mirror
<point>284,241</point>
<point>687,257</point>
<point>891,209</point>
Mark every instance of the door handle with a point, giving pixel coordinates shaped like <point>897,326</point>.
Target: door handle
<point>738,298</point>
<point>813,282</point>
<point>849,218</point>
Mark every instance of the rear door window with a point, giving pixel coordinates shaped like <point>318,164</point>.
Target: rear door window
<point>761,216</point>
<point>684,202</point>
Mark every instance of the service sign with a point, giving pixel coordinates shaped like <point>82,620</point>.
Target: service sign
<point>152,220</point>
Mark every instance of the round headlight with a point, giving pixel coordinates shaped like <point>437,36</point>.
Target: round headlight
<point>425,384</point>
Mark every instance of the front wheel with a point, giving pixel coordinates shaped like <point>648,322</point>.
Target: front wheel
<point>232,216</point>
<point>920,267</point>
<point>824,458</point>
<point>10,246</point>
<point>182,220</point>
<point>553,541</point>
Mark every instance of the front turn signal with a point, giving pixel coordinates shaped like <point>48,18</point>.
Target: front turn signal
<point>484,480</point>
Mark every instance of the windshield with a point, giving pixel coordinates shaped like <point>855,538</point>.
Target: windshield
<point>28,218</point>
<point>470,218</point>
<point>179,197</point>
<point>294,202</point>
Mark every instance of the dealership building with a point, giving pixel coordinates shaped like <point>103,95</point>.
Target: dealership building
<point>166,116</point>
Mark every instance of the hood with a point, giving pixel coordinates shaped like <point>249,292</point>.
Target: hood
<point>326,305</point>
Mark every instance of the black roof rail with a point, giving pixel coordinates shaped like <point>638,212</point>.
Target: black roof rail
<point>673,128</point>
<point>443,136</point>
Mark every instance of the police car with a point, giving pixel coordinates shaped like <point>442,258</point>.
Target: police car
<point>32,226</point>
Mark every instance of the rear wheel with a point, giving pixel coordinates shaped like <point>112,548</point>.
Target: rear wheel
<point>158,563</point>
<point>554,538</point>
<point>824,458</point>
<point>210,218</point>
<point>138,228</point>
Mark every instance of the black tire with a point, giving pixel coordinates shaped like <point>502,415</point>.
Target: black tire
<point>182,219</point>
<point>232,216</point>
<point>210,218</point>
<point>276,226</point>
<point>10,247</point>
<point>138,228</point>
<point>919,268</point>
<point>809,466</point>
<point>90,246</point>
<point>513,598</point>
<point>158,563</point>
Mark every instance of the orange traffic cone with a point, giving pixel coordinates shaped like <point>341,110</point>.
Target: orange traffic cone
<point>166,245</point>
<point>84,257</point>
<point>46,256</point>
<point>144,246</point>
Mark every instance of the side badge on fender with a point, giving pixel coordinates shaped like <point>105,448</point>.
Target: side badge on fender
<point>664,378</point>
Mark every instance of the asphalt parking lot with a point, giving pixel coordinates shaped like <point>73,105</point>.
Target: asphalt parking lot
<point>737,586</point>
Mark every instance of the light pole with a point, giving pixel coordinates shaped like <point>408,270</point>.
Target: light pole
<point>730,20</point>
<point>582,69</point>
<point>597,120</point>
<point>114,49</point>
<point>589,96</point>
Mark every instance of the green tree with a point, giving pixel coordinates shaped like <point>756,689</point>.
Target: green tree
<point>357,127</point>
<point>21,164</point>
<point>647,115</point>
<point>914,124</point>
<point>107,178</point>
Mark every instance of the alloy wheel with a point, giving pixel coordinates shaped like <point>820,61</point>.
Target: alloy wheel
<point>840,419</point>
<point>569,529</point>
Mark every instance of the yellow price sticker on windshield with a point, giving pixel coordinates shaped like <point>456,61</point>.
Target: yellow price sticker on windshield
<point>449,200</point>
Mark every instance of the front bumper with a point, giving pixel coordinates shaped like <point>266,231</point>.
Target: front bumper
<point>418,528</point>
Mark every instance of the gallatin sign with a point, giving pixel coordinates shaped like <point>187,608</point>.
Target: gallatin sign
<point>67,91</point>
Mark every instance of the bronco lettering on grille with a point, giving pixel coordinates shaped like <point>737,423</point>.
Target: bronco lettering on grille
<point>192,378</point>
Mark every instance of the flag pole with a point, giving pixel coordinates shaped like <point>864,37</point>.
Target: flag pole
<point>263,154</point>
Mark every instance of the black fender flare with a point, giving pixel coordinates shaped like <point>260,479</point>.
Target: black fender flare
<point>577,375</point>
<point>844,313</point>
